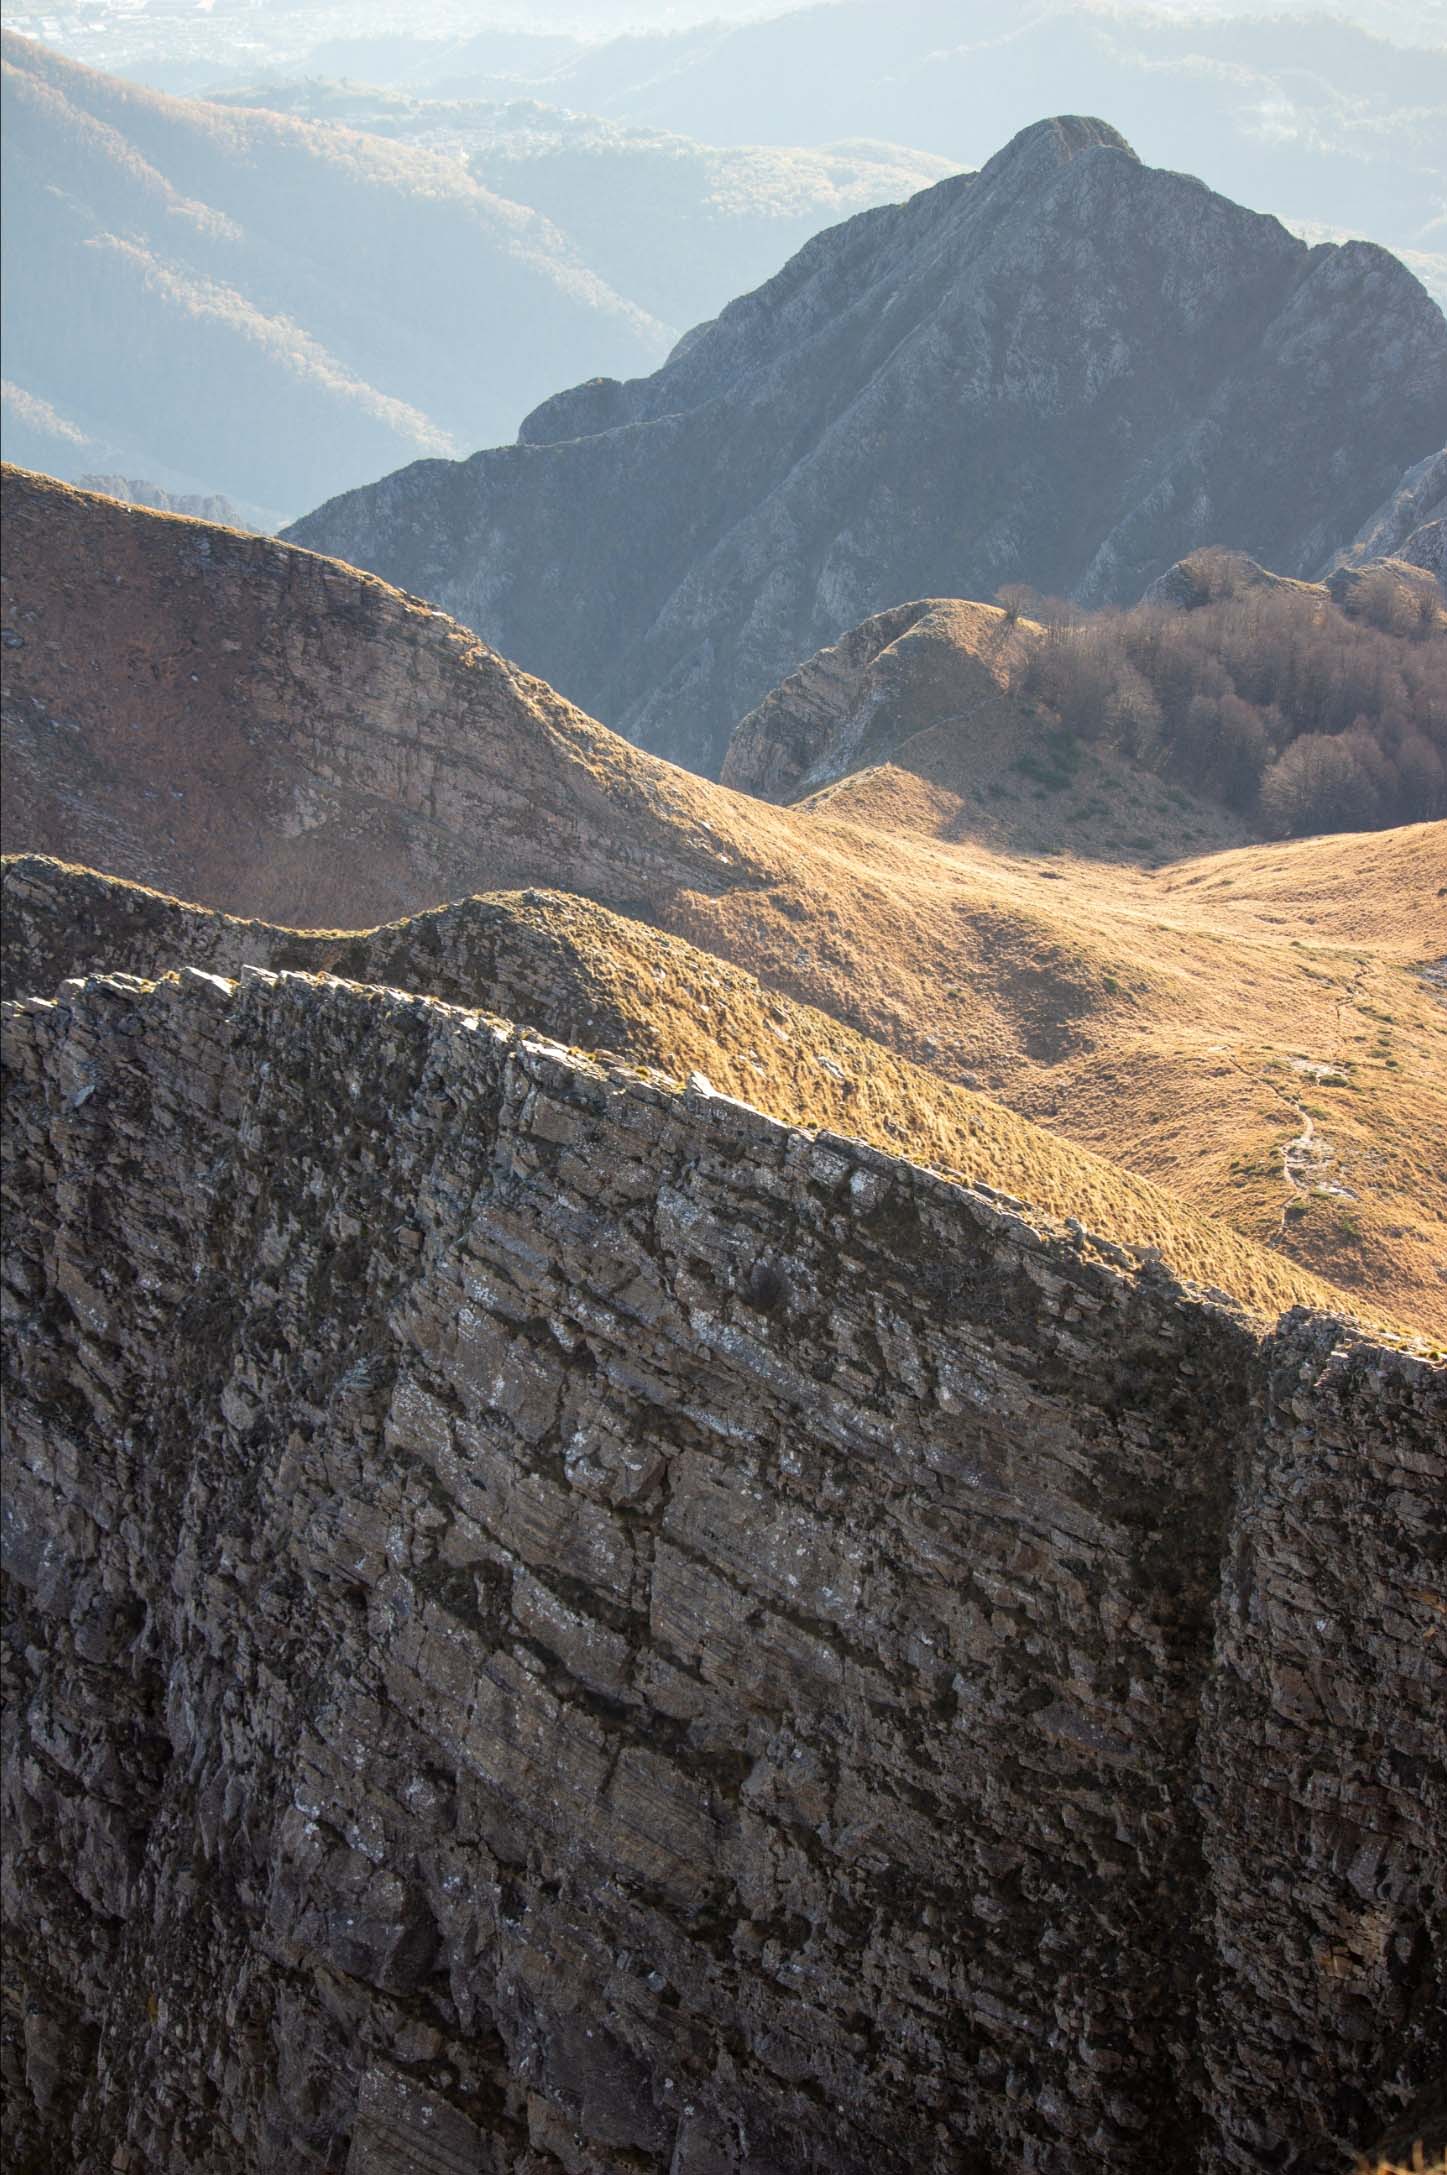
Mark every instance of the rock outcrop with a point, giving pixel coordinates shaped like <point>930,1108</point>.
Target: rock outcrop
<point>1208,577</point>
<point>1416,509</point>
<point>897,674</point>
<point>1427,547</point>
<point>1399,590</point>
<point>1067,369</point>
<point>562,1626</point>
<point>1394,591</point>
<point>1204,577</point>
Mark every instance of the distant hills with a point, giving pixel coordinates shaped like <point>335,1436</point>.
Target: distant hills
<point>243,303</point>
<point>331,277</point>
<point>272,305</point>
<point>1303,114</point>
<point>1070,369</point>
<point>677,226</point>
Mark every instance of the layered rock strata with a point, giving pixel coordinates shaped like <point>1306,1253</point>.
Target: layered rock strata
<point>559,1625</point>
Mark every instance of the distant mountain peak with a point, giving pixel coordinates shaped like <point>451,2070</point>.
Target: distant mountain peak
<point>1070,369</point>
<point>1055,142</point>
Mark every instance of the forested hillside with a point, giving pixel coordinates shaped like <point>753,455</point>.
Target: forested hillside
<point>1303,710</point>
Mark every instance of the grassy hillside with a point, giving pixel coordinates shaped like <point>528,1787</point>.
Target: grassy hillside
<point>1254,1028</point>
<point>592,980</point>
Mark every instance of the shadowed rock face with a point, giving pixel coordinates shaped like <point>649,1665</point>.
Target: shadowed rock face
<point>1068,369</point>
<point>1427,547</point>
<point>562,1626</point>
<point>1410,522</point>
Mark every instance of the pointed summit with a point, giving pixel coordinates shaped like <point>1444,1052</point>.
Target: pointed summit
<point>1070,370</point>
<point>1044,146</point>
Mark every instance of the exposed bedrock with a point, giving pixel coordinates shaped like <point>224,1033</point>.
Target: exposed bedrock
<point>558,1625</point>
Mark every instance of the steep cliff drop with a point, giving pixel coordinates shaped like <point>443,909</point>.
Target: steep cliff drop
<point>563,1625</point>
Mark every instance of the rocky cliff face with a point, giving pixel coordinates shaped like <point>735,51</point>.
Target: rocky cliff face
<point>1409,524</point>
<point>562,1626</point>
<point>1068,369</point>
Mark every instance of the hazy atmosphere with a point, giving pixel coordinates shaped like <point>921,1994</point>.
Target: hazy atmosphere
<point>725,1079</point>
<point>402,230</point>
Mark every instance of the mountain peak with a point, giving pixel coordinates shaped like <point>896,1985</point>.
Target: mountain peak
<point>1050,144</point>
<point>1070,369</point>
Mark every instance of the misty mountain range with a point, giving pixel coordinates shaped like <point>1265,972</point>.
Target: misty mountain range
<point>679,227</point>
<point>306,280</point>
<point>1310,117</point>
<point>261,304</point>
<point>238,302</point>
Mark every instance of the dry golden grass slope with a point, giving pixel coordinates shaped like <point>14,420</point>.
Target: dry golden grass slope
<point>1191,1022</point>
<point>599,983</point>
<point>915,721</point>
<point>273,733</point>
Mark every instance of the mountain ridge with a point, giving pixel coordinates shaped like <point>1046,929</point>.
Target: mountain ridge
<point>243,722</point>
<point>901,412</point>
<point>559,967</point>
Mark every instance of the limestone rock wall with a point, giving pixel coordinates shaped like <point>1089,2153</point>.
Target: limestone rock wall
<point>555,1625</point>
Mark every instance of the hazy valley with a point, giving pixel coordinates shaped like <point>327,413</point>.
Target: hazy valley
<point>178,249</point>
